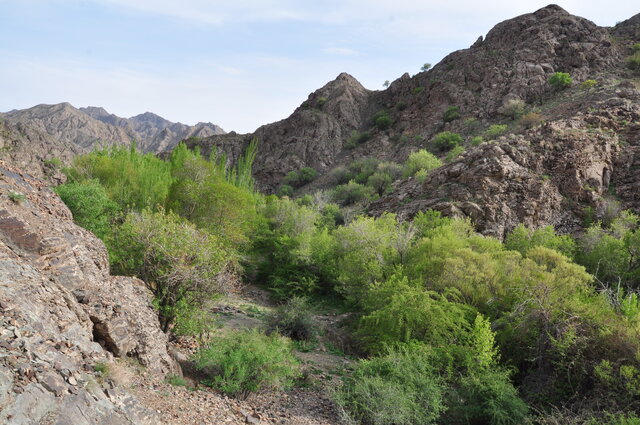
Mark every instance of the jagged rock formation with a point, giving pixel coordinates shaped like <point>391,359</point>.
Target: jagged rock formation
<point>539,176</point>
<point>62,313</point>
<point>89,127</point>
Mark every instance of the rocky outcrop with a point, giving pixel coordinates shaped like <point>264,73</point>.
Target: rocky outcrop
<point>545,176</point>
<point>62,313</point>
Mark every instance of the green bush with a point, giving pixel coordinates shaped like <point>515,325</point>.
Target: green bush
<point>446,141</point>
<point>420,160</point>
<point>400,388</point>
<point>91,207</point>
<point>285,190</point>
<point>356,139</point>
<point>300,178</point>
<point>476,140</point>
<point>560,80</point>
<point>180,263</point>
<point>452,113</point>
<point>382,120</point>
<point>131,179</point>
<point>633,62</point>
<point>588,84</point>
<point>294,319</point>
<point>351,193</point>
<point>454,153</point>
<point>486,398</point>
<point>495,130</point>
<point>244,362</point>
<point>522,239</point>
<point>380,182</point>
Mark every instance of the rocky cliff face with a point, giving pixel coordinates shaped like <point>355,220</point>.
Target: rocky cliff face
<point>62,313</point>
<point>576,155</point>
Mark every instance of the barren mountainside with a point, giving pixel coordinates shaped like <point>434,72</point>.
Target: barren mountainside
<point>89,127</point>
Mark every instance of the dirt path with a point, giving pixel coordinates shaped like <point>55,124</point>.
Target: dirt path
<point>200,405</point>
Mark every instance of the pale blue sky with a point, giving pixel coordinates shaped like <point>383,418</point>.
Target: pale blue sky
<point>238,64</point>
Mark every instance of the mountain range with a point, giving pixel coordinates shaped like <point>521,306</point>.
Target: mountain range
<point>44,133</point>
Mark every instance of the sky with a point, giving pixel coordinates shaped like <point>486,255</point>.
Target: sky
<point>237,63</point>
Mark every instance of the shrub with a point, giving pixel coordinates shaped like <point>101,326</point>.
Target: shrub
<point>351,193</point>
<point>321,101</point>
<point>476,140</point>
<point>452,113</point>
<point>488,398</point>
<point>131,179</point>
<point>180,263</point>
<point>636,47</point>
<point>247,361</point>
<point>495,130</point>
<point>512,108</point>
<point>357,139</point>
<point>531,119</point>
<point>16,197</point>
<point>420,160</point>
<point>300,178</point>
<point>560,80</point>
<point>202,193</point>
<point>446,141</point>
<point>400,388</point>
<point>91,206</point>
<point>522,239</point>
<point>294,319</point>
<point>285,190</point>
<point>382,120</point>
<point>454,153</point>
<point>417,90</point>
<point>425,67</point>
<point>380,182</point>
<point>588,84</point>
<point>633,62</point>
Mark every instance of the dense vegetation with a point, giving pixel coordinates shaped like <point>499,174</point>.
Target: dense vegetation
<point>451,327</point>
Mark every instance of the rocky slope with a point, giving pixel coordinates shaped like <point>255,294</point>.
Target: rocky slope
<point>37,152</point>
<point>497,184</point>
<point>89,127</point>
<point>62,313</point>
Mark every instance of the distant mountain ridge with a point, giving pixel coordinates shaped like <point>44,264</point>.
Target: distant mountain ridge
<point>153,132</point>
<point>87,127</point>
